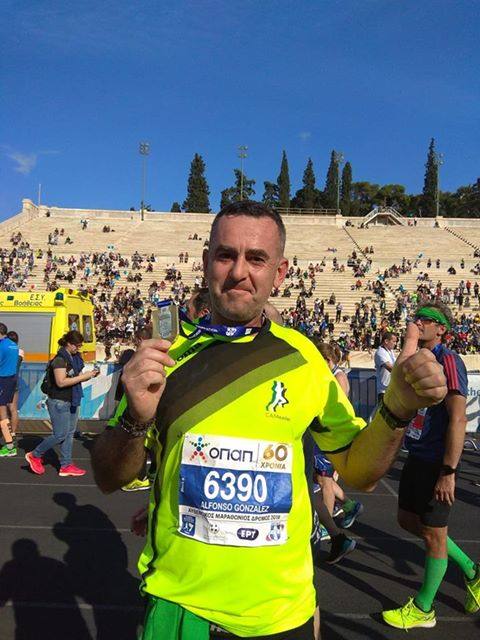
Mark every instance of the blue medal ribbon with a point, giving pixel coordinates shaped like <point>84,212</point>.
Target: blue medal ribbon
<point>205,327</point>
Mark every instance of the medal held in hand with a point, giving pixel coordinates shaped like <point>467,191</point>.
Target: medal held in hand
<point>165,323</point>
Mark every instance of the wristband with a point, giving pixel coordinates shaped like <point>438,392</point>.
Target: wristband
<point>391,419</point>
<point>134,428</point>
<point>447,470</point>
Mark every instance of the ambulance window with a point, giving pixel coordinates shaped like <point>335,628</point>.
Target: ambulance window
<point>74,322</point>
<point>87,329</point>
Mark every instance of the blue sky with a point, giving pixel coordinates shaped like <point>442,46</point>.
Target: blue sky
<point>83,82</point>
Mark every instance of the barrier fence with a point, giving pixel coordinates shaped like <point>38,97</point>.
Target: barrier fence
<point>98,402</point>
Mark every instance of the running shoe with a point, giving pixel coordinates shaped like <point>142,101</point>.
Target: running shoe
<point>351,513</point>
<point>337,510</point>
<point>71,470</point>
<point>36,464</point>
<point>137,485</point>
<point>341,545</point>
<point>324,535</point>
<point>5,452</point>
<point>409,617</point>
<point>472,601</point>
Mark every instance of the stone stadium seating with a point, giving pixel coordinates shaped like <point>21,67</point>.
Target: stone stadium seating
<point>166,235</point>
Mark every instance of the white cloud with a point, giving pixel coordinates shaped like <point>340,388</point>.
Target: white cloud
<point>304,135</point>
<point>25,162</point>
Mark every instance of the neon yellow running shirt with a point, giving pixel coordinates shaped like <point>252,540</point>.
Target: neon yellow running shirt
<point>230,514</point>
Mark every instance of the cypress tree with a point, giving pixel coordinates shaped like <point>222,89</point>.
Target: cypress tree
<point>331,183</point>
<point>308,196</point>
<point>430,185</point>
<point>346,190</point>
<point>176,207</point>
<point>197,200</point>
<point>283,184</point>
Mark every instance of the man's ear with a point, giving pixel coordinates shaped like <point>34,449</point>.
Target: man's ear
<point>280,273</point>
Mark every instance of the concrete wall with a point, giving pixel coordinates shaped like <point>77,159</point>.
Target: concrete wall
<point>31,210</point>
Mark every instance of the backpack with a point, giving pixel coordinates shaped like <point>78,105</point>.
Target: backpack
<point>48,382</point>
<point>47,385</point>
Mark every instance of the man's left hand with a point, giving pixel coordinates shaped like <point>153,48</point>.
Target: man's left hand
<point>417,379</point>
<point>445,489</point>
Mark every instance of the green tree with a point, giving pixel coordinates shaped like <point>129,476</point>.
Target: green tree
<point>392,195</point>
<point>363,198</point>
<point>283,184</point>
<point>430,185</point>
<point>331,183</point>
<point>197,189</point>
<point>346,189</point>
<point>237,193</point>
<point>270,194</point>
<point>308,197</point>
<point>176,207</point>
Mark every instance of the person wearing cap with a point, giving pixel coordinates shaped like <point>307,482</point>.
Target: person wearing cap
<point>434,440</point>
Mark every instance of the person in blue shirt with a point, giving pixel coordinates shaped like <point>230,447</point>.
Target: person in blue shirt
<point>8,386</point>
<point>434,440</point>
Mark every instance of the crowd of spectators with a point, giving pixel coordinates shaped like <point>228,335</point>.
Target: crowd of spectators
<point>122,307</point>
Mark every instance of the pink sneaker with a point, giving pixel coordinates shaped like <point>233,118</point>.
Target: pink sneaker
<point>36,464</point>
<point>71,470</point>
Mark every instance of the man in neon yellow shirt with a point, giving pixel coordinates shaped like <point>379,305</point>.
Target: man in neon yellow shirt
<point>226,407</point>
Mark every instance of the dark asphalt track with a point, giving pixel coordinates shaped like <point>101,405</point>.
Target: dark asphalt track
<point>69,561</point>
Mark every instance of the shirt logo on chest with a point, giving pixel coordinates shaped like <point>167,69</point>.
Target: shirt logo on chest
<point>278,398</point>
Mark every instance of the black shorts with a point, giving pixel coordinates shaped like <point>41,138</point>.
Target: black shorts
<point>305,632</point>
<point>8,386</point>
<point>415,494</point>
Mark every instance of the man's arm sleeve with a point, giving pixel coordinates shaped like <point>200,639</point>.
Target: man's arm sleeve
<point>336,425</point>
<point>456,374</point>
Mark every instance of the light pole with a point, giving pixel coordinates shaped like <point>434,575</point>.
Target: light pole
<point>242,154</point>
<point>338,158</point>
<point>144,149</point>
<point>438,159</point>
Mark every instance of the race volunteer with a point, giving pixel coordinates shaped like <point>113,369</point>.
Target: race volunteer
<point>229,517</point>
<point>435,440</point>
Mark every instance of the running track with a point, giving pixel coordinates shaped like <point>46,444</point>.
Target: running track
<point>69,560</point>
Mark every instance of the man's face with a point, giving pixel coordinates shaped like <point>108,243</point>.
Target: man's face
<point>391,343</point>
<point>429,330</point>
<point>242,265</point>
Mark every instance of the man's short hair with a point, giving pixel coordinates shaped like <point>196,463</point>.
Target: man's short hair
<point>254,210</point>
<point>3,329</point>
<point>388,335</point>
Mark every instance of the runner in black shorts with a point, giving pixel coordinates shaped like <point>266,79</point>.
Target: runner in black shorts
<point>434,440</point>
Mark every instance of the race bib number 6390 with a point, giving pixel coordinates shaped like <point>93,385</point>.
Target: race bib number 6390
<point>235,491</point>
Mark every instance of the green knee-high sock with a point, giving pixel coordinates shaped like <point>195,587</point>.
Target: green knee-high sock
<point>466,564</point>
<point>434,571</point>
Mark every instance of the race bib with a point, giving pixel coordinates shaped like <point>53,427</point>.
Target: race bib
<point>415,428</point>
<point>235,491</point>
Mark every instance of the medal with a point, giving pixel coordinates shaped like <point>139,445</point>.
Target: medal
<point>165,323</point>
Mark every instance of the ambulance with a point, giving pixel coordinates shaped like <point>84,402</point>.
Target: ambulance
<point>42,318</point>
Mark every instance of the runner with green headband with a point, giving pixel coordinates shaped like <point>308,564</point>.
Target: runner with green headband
<point>432,313</point>
<point>434,440</point>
